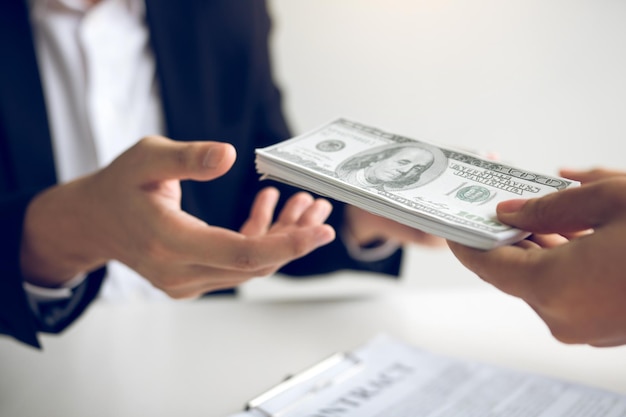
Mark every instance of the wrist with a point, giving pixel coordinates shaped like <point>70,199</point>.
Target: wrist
<point>55,247</point>
<point>358,231</point>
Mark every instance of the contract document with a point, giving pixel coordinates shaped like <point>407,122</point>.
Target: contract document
<point>386,377</point>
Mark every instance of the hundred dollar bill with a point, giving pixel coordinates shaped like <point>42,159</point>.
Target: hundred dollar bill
<point>439,190</point>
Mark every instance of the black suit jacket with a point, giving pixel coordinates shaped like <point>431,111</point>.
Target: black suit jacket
<point>216,84</point>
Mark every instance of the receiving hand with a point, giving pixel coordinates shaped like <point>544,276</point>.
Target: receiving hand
<point>366,227</point>
<point>572,270</point>
<point>130,211</point>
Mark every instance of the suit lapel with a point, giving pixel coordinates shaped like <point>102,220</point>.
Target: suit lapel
<point>22,107</point>
<point>184,67</point>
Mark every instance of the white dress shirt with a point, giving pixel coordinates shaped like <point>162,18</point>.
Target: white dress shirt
<point>100,87</point>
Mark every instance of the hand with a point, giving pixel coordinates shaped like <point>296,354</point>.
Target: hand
<point>571,271</point>
<point>130,211</point>
<point>366,227</point>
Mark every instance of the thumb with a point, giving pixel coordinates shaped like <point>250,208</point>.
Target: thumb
<point>586,176</point>
<point>156,158</point>
<point>567,211</point>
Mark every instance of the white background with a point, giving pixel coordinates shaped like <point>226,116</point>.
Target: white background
<point>540,82</point>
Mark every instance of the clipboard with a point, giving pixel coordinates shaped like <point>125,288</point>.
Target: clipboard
<point>303,386</point>
<point>386,377</point>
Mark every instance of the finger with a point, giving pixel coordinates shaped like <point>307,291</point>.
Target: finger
<point>205,279</point>
<point>190,281</point>
<point>316,213</point>
<point>261,213</point>
<point>295,207</point>
<point>586,176</point>
<point>156,158</point>
<point>571,210</point>
<point>222,248</point>
<point>548,241</point>
<point>527,244</point>
<point>577,235</point>
<point>507,267</point>
<point>432,241</point>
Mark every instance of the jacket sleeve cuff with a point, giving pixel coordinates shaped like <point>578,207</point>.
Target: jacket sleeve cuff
<point>375,252</point>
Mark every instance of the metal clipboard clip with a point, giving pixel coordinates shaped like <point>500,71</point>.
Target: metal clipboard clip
<point>303,386</point>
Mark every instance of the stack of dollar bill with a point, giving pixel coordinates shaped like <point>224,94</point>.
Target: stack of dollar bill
<point>439,190</point>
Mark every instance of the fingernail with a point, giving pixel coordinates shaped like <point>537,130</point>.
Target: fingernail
<point>213,157</point>
<point>511,206</point>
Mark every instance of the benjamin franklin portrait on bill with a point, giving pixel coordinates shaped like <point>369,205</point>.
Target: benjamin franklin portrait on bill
<point>394,167</point>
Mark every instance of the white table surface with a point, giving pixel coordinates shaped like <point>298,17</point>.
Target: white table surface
<point>207,358</point>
